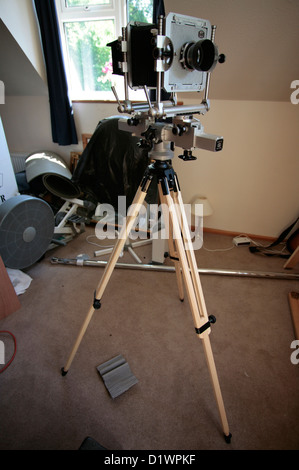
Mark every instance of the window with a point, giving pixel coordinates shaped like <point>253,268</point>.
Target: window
<point>86,26</point>
<point>140,10</point>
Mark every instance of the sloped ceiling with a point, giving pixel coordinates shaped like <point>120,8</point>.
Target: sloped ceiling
<point>260,39</point>
<point>16,71</point>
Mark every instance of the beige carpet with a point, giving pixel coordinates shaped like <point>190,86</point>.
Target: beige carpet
<point>172,406</point>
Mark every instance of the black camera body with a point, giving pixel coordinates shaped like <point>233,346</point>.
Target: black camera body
<point>141,62</point>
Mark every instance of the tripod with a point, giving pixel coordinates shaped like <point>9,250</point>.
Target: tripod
<point>181,252</point>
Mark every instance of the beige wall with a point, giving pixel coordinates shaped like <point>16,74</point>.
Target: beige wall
<point>252,184</point>
<point>260,40</point>
<point>27,123</point>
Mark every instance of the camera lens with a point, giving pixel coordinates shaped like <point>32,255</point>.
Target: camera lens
<point>200,56</point>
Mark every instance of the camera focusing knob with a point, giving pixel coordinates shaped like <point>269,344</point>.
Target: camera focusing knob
<point>144,144</point>
<point>149,134</point>
<point>149,137</point>
<point>179,129</point>
<point>133,122</point>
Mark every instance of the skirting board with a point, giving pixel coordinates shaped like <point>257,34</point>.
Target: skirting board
<point>235,234</point>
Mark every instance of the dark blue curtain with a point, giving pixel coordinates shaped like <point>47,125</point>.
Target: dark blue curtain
<point>158,9</point>
<point>62,118</point>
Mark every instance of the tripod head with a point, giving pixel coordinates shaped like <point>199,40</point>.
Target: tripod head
<point>177,55</point>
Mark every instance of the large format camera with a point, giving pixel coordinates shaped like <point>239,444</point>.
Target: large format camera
<point>176,55</point>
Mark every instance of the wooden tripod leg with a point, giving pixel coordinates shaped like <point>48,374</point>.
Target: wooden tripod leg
<point>181,214</point>
<point>216,386</point>
<point>172,249</point>
<point>198,321</point>
<point>197,304</point>
<point>178,271</point>
<point>131,217</point>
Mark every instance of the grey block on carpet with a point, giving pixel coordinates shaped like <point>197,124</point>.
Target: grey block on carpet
<point>117,375</point>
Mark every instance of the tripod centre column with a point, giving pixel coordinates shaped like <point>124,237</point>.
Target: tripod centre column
<point>162,151</point>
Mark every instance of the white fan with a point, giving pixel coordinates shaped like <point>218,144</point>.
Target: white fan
<point>26,230</point>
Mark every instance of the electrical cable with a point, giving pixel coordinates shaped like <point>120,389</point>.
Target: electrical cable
<point>281,251</point>
<point>15,350</point>
<point>98,244</point>
<point>215,249</point>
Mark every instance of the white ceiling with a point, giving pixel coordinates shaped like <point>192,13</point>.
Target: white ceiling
<point>260,39</point>
<point>16,71</point>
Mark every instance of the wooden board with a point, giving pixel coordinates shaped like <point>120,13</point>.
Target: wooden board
<point>294,306</point>
<point>293,260</point>
<point>9,302</point>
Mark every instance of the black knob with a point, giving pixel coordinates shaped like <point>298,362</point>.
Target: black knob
<point>133,122</point>
<point>179,129</point>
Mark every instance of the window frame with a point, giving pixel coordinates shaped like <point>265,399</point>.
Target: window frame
<point>87,9</point>
<point>115,10</point>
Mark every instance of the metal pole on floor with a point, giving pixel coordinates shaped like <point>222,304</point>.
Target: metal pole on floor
<point>164,268</point>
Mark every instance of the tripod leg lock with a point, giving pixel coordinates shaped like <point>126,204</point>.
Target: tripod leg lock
<point>96,302</point>
<point>207,325</point>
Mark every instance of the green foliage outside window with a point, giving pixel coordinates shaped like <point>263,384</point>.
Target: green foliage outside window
<point>88,54</point>
<point>89,57</point>
<point>140,10</point>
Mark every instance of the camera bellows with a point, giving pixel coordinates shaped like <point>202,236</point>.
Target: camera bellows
<point>117,376</point>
